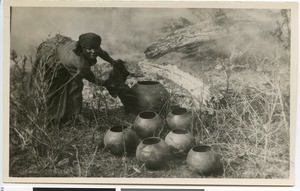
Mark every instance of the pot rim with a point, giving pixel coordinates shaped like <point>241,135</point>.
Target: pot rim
<point>148,82</point>
<point>201,148</point>
<point>179,131</point>
<point>148,141</point>
<point>118,128</point>
<point>144,114</point>
<point>179,111</point>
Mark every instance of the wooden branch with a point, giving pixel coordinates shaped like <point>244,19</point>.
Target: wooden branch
<point>193,35</point>
<point>193,85</point>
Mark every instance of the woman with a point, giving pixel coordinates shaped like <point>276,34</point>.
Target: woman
<point>64,63</point>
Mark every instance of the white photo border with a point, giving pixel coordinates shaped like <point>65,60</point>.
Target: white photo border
<point>157,4</point>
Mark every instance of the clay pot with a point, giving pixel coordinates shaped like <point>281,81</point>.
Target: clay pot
<point>202,160</point>
<point>119,138</point>
<point>153,152</point>
<point>151,95</point>
<point>180,140</point>
<point>147,124</point>
<point>179,118</point>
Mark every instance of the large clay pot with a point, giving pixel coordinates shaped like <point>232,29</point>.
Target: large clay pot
<point>147,124</point>
<point>151,95</point>
<point>180,140</point>
<point>153,152</point>
<point>179,118</point>
<point>202,160</point>
<point>119,138</point>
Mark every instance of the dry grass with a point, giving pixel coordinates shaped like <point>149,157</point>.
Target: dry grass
<point>249,128</point>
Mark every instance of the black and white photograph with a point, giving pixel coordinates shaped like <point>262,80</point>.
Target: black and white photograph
<point>185,94</point>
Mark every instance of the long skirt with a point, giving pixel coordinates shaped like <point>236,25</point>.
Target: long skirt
<point>64,97</point>
<point>63,92</point>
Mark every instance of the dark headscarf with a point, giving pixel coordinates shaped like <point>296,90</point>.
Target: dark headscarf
<point>90,40</point>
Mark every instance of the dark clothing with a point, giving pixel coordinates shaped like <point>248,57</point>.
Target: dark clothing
<point>128,98</point>
<point>63,73</point>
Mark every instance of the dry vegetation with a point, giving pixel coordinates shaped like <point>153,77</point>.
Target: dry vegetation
<point>247,123</point>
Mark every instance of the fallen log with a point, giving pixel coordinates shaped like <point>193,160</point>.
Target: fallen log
<point>190,36</point>
<point>198,90</point>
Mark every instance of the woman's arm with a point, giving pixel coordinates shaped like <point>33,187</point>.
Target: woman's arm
<point>90,76</point>
<point>105,56</point>
<point>108,84</point>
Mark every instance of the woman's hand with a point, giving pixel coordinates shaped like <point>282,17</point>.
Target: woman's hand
<point>118,62</point>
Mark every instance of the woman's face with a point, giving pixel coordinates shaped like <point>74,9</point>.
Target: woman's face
<point>90,53</point>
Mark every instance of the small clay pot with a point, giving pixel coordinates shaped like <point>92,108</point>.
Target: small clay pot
<point>180,140</point>
<point>202,160</point>
<point>153,152</point>
<point>119,139</point>
<point>147,124</point>
<point>179,118</point>
<point>151,95</point>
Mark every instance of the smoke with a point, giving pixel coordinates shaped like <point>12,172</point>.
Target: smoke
<point>128,31</point>
<point>255,31</point>
<point>124,31</point>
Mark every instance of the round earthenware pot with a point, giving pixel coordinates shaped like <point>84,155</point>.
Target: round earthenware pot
<point>120,138</point>
<point>179,118</point>
<point>202,160</point>
<point>151,95</point>
<point>153,152</point>
<point>180,140</point>
<point>147,124</point>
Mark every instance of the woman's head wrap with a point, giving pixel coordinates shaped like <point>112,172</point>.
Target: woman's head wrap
<point>90,40</point>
